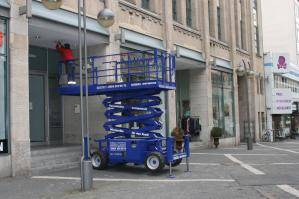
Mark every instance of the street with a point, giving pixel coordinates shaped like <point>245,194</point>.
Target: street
<point>269,171</point>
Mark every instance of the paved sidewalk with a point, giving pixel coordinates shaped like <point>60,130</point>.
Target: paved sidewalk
<point>269,171</point>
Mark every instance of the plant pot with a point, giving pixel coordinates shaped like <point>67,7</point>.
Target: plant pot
<point>216,142</point>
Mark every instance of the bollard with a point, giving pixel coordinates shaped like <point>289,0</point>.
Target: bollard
<point>86,175</point>
<point>170,171</point>
<point>187,164</point>
<point>249,143</point>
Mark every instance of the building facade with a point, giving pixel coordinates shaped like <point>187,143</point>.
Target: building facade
<point>211,40</point>
<point>282,96</point>
<point>284,27</point>
<point>281,44</point>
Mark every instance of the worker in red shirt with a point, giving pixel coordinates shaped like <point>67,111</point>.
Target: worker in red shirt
<point>68,58</point>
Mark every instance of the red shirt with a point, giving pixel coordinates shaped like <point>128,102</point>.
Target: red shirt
<point>66,54</point>
<point>1,39</point>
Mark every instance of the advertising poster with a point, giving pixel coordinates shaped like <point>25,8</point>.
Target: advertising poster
<point>282,101</point>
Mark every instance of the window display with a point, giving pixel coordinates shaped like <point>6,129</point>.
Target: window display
<point>223,102</point>
<point>3,87</point>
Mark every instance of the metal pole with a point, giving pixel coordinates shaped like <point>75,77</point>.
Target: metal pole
<point>86,77</point>
<point>187,164</point>
<point>170,170</point>
<point>87,166</point>
<point>249,137</point>
<point>81,88</point>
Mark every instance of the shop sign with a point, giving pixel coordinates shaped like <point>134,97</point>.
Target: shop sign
<point>282,101</point>
<point>3,146</point>
<point>281,62</point>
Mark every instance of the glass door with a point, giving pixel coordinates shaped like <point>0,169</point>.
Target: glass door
<point>37,107</point>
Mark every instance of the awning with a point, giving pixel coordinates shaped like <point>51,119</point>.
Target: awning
<point>188,59</point>
<point>65,17</point>
<point>132,39</point>
<point>4,8</point>
<point>45,33</point>
<point>189,53</point>
<point>223,63</point>
<point>4,3</point>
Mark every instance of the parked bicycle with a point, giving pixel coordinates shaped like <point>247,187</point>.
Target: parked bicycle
<point>281,134</point>
<point>266,137</point>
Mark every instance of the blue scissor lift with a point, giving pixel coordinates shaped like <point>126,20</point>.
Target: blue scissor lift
<point>132,82</point>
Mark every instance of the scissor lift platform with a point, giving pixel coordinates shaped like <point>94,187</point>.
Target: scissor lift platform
<point>137,70</point>
<point>131,82</point>
<point>103,89</point>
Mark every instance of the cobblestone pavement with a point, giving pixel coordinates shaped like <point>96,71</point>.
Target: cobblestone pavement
<point>268,171</point>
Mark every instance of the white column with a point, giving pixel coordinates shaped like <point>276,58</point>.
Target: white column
<point>19,91</point>
<point>168,42</point>
<point>233,44</point>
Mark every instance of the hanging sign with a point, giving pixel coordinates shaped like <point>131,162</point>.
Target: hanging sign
<point>281,62</point>
<point>3,146</point>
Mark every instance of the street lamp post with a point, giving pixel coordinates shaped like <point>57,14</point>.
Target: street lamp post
<point>86,166</point>
<point>106,19</point>
<point>243,70</point>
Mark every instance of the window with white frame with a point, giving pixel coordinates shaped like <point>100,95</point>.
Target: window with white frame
<point>283,82</point>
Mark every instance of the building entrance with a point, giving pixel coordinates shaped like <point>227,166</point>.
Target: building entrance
<point>37,107</point>
<point>46,121</point>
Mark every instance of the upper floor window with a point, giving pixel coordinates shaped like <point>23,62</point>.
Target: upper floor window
<point>145,4</point>
<point>242,25</point>
<point>256,28</point>
<point>297,25</point>
<point>174,10</point>
<point>210,17</point>
<point>189,13</point>
<point>260,86</point>
<point>219,20</point>
<point>131,1</point>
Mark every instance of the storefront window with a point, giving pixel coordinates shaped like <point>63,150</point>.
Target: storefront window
<point>3,85</point>
<point>223,102</point>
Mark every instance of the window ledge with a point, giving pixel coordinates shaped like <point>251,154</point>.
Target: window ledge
<point>141,10</point>
<point>221,44</point>
<point>258,55</point>
<point>219,41</point>
<point>188,28</point>
<point>243,51</point>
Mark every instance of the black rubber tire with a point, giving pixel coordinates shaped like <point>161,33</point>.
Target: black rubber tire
<point>103,160</point>
<point>158,157</point>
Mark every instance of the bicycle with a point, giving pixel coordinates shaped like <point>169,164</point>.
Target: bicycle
<point>266,137</point>
<point>279,134</point>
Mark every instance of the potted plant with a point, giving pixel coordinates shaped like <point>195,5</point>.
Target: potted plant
<point>216,133</point>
